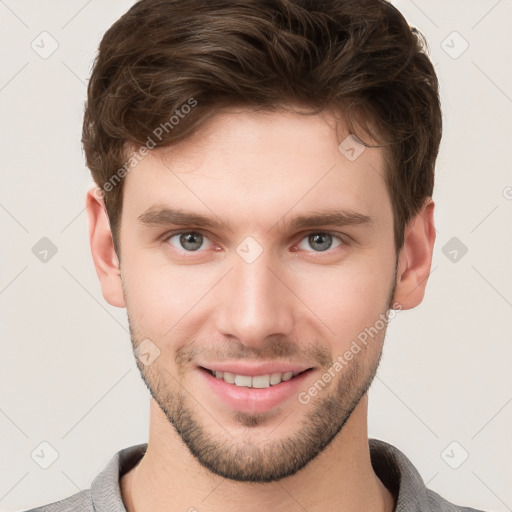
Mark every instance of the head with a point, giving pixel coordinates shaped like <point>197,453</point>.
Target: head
<point>234,112</point>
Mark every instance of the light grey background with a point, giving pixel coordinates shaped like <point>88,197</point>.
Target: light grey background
<point>68,376</point>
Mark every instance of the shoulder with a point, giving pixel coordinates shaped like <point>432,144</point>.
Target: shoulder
<point>105,492</point>
<point>438,504</point>
<point>79,502</point>
<point>400,476</point>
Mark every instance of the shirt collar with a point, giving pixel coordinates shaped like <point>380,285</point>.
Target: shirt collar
<point>392,467</point>
<point>400,476</point>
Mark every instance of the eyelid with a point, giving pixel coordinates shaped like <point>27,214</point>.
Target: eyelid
<point>170,234</point>
<point>342,236</point>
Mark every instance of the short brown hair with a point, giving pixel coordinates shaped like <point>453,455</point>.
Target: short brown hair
<point>357,57</point>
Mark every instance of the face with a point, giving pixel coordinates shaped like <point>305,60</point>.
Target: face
<point>266,287</point>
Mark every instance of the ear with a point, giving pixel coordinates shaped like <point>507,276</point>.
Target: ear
<point>102,248</point>
<point>415,258</point>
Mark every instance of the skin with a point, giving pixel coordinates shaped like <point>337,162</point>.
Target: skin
<point>294,303</point>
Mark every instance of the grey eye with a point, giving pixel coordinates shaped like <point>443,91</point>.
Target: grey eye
<point>188,241</point>
<point>321,241</point>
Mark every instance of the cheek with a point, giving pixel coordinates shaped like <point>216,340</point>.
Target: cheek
<point>346,300</point>
<point>171,302</point>
<point>160,296</point>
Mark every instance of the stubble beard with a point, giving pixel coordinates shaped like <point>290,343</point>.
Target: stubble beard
<point>245,460</point>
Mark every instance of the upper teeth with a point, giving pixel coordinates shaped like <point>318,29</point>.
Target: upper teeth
<point>258,381</point>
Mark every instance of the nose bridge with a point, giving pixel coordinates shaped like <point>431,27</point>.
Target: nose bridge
<point>254,303</point>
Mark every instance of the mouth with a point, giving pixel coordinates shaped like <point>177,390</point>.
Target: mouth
<point>254,394</point>
<point>262,381</point>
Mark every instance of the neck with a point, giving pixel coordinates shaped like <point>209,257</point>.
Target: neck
<point>169,478</point>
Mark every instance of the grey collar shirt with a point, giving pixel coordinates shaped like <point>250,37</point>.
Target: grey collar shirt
<point>393,468</point>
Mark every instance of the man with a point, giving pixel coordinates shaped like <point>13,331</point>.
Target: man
<point>264,172</point>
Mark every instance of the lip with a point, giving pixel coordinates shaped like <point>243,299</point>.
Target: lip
<point>254,400</point>
<point>252,370</point>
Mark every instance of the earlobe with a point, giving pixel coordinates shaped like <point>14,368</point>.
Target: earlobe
<point>102,249</point>
<point>416,258</point>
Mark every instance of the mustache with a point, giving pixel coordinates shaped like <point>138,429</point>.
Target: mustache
<point>271,349</point>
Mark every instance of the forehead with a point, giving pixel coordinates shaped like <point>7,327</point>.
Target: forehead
<point>257,167</point>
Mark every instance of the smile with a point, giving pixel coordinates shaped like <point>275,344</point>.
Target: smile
<point>256,381</point>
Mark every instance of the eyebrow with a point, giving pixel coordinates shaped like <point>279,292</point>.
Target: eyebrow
<point>163,215</point>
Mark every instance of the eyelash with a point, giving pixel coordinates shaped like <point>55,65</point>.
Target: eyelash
<point>339,236</point>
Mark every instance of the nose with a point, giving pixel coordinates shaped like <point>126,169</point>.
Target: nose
<point>254,303</point>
